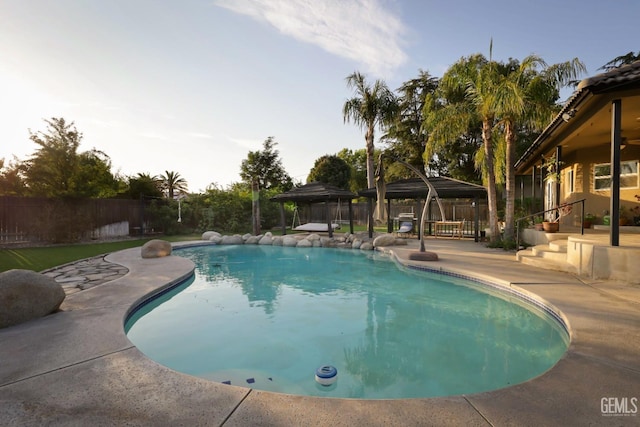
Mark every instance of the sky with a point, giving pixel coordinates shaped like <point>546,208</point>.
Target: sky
<point>191,86</point>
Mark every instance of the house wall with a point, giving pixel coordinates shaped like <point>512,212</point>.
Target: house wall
<point>582,163</point>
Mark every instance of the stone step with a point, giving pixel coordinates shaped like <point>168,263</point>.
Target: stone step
<point>548,252</point>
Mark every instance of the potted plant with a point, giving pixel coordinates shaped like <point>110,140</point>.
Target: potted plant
<point>554,225</point>
<point>589,219</point>
<point>537,222</point>
<point>624,216</point>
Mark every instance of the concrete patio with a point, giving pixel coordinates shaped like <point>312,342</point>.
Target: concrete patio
<point>77,367</point>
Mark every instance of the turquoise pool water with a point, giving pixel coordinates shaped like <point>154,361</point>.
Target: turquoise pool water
<point>268,317</point>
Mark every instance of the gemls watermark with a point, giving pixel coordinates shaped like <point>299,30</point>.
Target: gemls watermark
<point>619,406</point>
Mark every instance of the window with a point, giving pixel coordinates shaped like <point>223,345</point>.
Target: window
<point>628,175</point>
<point>570,182</point>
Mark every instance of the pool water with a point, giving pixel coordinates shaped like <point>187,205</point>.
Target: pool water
<point>267,317</point>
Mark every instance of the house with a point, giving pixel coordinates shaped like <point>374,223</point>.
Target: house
<point>592,149</point>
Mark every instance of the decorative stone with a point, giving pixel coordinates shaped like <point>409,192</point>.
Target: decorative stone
<point>216,239</point>
<point>289,241</point>
<point>207,235</point>
<point>277,241</point>
<point>156,248</point>
<point>252,240</point>
<point>384,240</point>
<point>356,244</point>
<point>313,237</point>
<point>423,256</point>
<point>246,237</point>
<point>26,295</point>
<point>267,239</point>
<point>366,246</point>
<point>400,242</point>
<point>304,243</point>
<point>236,239</point>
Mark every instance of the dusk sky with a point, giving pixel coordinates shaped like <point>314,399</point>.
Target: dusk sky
<point>192,86</point>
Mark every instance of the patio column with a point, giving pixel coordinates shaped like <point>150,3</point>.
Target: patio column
<point>616,139</point>
<point>350,216</point>
<point>557,168</point>
<point>327,209</point>
<point>533,187</point>
<point>476,219</point>
<point>370,215</point>
<point>389,219</point>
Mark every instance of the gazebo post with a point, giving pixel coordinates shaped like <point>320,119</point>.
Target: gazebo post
<point>389,220</point>
<point>476,219</point>
<point>370,216</point>
<point>328,212</point>
<point>282,219</point>
<point>350,216</point>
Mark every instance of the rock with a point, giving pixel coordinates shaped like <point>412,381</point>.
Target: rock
<point>304,243</point>
<point>236,239</point>
<point>384,240</point>
<point>313,237</point>
<point>216,239</point>
<point>366,246</point>
<point>327,242</point>
<point>400,242</point>
<point>252,240</point>
<point>267,239</point>
<point>207,235</point>
<point>26,295</point>
<point>423,256</point>
<point>289,241</point>
<point>277,241</point>
<point>156,248</point>
<point>356,244</point>
<point>246,236</point>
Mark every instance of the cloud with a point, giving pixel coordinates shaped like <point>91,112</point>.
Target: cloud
<point>360,30</point>
<point>199,135</point>
<point>252,144</point>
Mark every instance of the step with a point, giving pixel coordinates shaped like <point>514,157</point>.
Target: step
<point>545,263</point>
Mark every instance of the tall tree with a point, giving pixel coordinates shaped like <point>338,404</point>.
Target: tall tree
<point>57,169</point>
<point>527,95</point>
<point>265,168</point>
<point>332,170</point>
<point>619,61</point>
<point>173,183</point>
<point>145,185</point>
<point>372,106</point>
<point>473,81</point>
<point>11,179</point>
<point>357,161</point>
<point>406,135</point>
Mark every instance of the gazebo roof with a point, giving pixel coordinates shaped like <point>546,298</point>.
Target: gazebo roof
<point>314,192</point>
<point>447,188</point>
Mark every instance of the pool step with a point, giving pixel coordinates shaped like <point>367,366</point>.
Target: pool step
<point>552,256</point>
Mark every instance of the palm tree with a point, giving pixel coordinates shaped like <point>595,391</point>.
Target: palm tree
<point>527,97</point>
<point>471,84</point>
<point>621,60</point>
<point>172,183</point>
<point>371,107</point>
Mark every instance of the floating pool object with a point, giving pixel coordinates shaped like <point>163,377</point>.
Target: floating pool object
<point>326,375</point>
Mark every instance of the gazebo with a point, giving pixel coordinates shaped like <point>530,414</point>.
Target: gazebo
<point>316,192</point>
<point>415,188</point>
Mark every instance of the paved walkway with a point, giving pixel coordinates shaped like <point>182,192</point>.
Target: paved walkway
<point>85,274</point>
<point>77,367</point>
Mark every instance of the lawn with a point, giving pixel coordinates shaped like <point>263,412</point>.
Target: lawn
<point>43,258</point>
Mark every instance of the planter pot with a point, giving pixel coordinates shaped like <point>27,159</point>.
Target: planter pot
<point>586,224</point>
<point>538,227</point>
<point>551,227</point>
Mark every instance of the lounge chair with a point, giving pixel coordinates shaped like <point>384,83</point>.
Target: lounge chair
<point>405,229</point>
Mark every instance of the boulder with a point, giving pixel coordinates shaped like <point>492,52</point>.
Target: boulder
<point>156,248</point>
<point>304,243</point>
<point>26,295</point>
<point>267,239</point>
<point>277,241</point>
<point>356,244</point>
<point>366,246</point>
<point>215,239</point>
<point>252,240</point>
<point>384,240</point>
<point>207,235</point>
<point>289,241</point>
<point>236,239</point>
<point>423,256</point>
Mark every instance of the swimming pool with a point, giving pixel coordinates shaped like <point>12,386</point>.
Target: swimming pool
<point>268,317</point>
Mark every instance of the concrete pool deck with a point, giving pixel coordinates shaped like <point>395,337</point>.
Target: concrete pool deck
<point>77,367</point>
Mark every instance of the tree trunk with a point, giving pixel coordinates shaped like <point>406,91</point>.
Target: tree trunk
<point>509,227</point>
<point>491,178</point>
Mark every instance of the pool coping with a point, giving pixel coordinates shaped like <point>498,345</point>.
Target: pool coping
<point>77,367</point>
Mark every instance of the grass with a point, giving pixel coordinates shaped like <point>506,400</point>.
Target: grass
<point>43,258</point>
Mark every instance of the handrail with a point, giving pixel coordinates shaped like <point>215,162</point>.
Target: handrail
<point>581,201</point>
